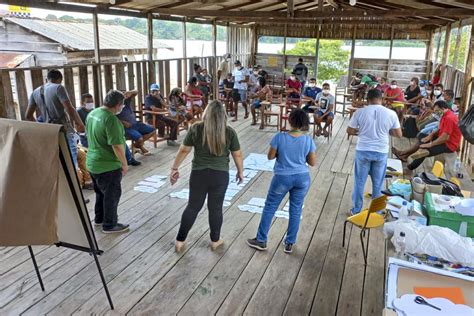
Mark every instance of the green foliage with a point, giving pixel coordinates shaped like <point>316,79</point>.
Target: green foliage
<point>161,29</point>
<point>462,48</point>
<point>333,60</point>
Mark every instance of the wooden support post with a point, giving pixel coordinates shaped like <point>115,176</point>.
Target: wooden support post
<point>151,64</point>
<point>213,70</point>
<point>438,46</point>
<point>98,95</point>
<point>22,94</point>
<point>284,49</point>
<point>458,45</point>
<point>7,108</point>
<point>467,92</point>
<point>316,54</point>
<point>185,55</point>
<point>447,39</point>
<point>429,53</point>
<point>351,62</point>
<point>392,33</point>
<point>253,49</point>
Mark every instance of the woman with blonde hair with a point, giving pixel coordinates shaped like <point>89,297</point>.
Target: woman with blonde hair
<point>213,140</point>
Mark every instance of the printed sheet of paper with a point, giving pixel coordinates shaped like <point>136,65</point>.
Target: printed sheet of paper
<point>258,162</point>
<point>145,189</point>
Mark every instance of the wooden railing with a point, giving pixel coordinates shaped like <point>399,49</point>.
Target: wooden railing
<point>17,84</point>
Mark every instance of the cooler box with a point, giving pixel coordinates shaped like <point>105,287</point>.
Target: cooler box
<point>442,215</point>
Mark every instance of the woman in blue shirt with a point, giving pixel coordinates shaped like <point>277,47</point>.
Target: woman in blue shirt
<point>293,151</point>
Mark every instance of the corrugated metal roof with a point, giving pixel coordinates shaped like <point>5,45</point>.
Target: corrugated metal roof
<point>12,60</point>
<point>80,36</point>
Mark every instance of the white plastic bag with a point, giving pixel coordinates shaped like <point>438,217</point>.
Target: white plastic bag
<point>434,241</point>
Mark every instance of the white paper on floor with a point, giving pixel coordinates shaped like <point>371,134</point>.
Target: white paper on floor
<point>255,205</point>
<point>145,189</point>
<point>258,162</point>
<point>232,190</point>
<point>151,184</point>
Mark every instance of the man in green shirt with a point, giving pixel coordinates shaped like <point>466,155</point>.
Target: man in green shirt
<point>106,160</point>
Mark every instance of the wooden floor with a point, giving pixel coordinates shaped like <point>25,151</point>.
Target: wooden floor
<point>146,276</point>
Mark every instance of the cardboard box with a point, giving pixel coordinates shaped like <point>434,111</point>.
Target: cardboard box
<point>403,276</point>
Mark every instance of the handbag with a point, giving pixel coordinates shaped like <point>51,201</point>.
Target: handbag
<point>409,128</point>
<point>466,125</point>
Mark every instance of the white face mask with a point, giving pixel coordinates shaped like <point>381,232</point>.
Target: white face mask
<point>121,108</point>
<point>312,85</point>
<point>393,86</point>
<point>293,78</point>
<point>437,92</point>
<point>326,91</point>
<point>255,73</point>
<point>89,106</point>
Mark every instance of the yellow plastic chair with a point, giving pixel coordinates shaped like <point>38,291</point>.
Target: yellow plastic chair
<point>367,219</point>
<point>438,169</point>
<point>455,181</point>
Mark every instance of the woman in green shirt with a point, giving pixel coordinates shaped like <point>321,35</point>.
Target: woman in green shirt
<point>212,141</point>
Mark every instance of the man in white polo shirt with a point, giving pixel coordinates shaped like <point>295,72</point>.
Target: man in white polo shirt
<point>240,76</point>
<point>373,124</point>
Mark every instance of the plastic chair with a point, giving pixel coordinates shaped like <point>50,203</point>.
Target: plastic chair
<point>438,169</point>
<point>367,219</point>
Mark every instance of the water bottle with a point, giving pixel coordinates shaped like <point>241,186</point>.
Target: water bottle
<point>403,213</point>
<point>401,246</point>
<point>457,167</point>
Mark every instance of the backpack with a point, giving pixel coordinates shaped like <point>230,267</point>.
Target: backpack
<point>466,125</point>
<point>449,188</point>
<point>409,128</point>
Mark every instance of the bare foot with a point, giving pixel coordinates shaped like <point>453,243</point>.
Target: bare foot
<point>179,246</point>
<point>216,244</point>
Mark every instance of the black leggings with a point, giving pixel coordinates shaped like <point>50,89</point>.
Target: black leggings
<point>435,150</point>
<point>210,183</point>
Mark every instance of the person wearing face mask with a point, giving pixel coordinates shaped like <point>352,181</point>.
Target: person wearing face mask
<point>202,83</point>
<point>325,102</point>
<point>156,103</point>
<point>253,82</point>
<point>413,92</point>
<point>224,69</point>
<point>446,139</point>
<point>106,160</point>
<point>383,84</point>
<point>438,92</point>
<point>240,76</point>
<point>87,105</point>
<point>394,98</point>
<point>309,96</point>
<point>293,88</point>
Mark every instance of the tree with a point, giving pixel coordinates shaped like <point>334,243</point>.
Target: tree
<point>333,59</point>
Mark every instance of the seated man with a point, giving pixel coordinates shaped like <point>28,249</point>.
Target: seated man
<point>253,82</point>
<point>309,95</point>
<point>156,103</point>
<point>139,132</point>
<point>325,102</point>
<point>87,102</point>
<point>228,85</point>
<point>445,140</point>
<point>448,96</point>
<point>393,98</point>
<point>293,89</point>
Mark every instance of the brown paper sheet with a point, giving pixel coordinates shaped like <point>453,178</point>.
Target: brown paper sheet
<point>29,169</point>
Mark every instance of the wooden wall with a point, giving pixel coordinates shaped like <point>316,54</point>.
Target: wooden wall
<point>14,38</point>
<point>396,69</point>
<point>17,84</point>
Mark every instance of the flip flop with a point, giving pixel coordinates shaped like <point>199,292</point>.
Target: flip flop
<point>253,123</point>
<point>318,133</point>
<point>246,116</point>
<point>234,120</point>
<point>147,153</point>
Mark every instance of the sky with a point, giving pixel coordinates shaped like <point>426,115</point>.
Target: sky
<point>40,13</point>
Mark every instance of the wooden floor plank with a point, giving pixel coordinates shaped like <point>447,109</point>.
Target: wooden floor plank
<point>285,268</point>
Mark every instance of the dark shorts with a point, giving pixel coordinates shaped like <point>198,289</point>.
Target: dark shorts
<point>239,95</point>
<point>321,113</point>
<point>138,130</point>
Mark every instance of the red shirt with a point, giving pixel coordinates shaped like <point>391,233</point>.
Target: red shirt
<point>449,125</point>
<point>294,84</point>
<point>392,92</point>
<point>436,79</point>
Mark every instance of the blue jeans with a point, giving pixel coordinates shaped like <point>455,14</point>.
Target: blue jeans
<point>297,185</point>
<point>138,130</point>
<point>368,163</point>
<point>430,127</point>
<point>128,153</point>
<point>72,141</point>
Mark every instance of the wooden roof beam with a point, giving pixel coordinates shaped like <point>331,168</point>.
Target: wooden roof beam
<point>466,4</point>
<point>433,22</point>
<point>404,13</point>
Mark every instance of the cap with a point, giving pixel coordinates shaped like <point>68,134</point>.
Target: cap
<point>237,62</point>
<point>154,86</point>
